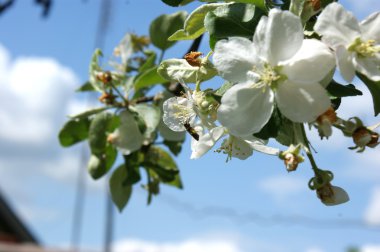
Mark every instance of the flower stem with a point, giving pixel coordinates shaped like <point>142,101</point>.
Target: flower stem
<point>161,56</point>
<point>309,154</point>
<point>119,93</point>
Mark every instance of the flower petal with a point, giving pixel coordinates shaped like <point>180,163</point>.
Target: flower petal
<point>237,147</point>
<point>337,26</point>
<point>245,110</point>
<point>370,67</point>
<point>233,58</point>
<point>344,62</point>
<point>178,111</point>
<point>300,102</point>
<point>205,142</point>
<point>370,27</point>
<point>127,138</point>
<point>340,196</point>
<point>310,64</point>
<point>282,38</point>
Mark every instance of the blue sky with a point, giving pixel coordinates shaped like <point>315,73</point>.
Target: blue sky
<point>241,206</point>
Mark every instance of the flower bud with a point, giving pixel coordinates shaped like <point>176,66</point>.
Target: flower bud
<point>325,122</point>
<point>107,98</point>
<point>363,137</point>
<point>332,195</point>
<point>292,157</point>
<point>104,77</point>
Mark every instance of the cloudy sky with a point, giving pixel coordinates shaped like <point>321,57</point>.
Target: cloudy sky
<point>247,206</point>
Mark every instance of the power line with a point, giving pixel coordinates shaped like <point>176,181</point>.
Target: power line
<point>252,217</point>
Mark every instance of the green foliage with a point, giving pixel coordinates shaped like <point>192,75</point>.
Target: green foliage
<point>86,87</point>
<point>176,69</point>
<point>374,88</point>
<point>149,78</point>
<point>176,3</point>
<point>337,90</point>
<point>174,146</point>
<point>88,113</point>
<point>94,69</point>
<point>194,23</point>
<point>99,165</point>
<point>270,130</point>
<point>151,115</point>
<point>232,20</point>
<point>74,131</point>
<point>165,25</point>
<point>120,192</point>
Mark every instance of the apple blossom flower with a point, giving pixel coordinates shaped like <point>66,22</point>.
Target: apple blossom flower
<point>356,44</point>
<point>278,67</point>
<point>233,146</point>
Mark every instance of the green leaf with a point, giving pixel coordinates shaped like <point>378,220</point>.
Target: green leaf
<point>86,87</point>
<point>100,165</point>
<point>177,69</point>
<point>74,131</point>
<point>174,146</point>
<point>100,126</point>
<point>158,157</point>
<point>220,91</point>
<point>150,114</point>
<point>374,88</point>
<point>94,69</point>
<point>337,90</point>
<point>165,25</point>
<point>149,78</point>
<point>194,23</point>
<point>120,193</point>
<point>150,61</point>
<point>271,129</point>
<point>88,113</point>
<point>132,163</point>
<point>233,20</point>
<point>176,3</point>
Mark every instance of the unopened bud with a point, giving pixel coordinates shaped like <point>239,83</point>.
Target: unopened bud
<point>292,157</point>
<point>315,4</point>
<point>364,137</point>
<point>107,98</point>
<point>104,77</point>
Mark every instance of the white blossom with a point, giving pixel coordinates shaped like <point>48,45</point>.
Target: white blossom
<point>356,44</point>
<point>280,67</point>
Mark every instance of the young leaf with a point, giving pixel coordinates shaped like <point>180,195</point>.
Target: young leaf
<point>150,61</point>
<point>100,125</point>
<point>165,25</point>
<point>132,164</point>
<point>100,165</point>
<point>151,116</point>
<point>374,88</point>
<point>176,3</point>
<point>149,78</point>
<point>74,131</point>
<point>86,87</point>
<point>180,69</point>
<point>174,146</point>
<point>88,113</point>
<point>120,193</point>
<point>194,23</point>
<point>271,129</point>
<point>337,90</point>
<point>94,69</point>
<point>233,20</point>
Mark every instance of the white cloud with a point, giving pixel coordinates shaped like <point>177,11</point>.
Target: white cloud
<point>314,249</point>
<point>370,248</point>
<point>191,245</point>
<point>282,186</point>
<point>372,213</point>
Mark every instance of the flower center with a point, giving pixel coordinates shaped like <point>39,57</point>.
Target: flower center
<point>231,148</point>
<point>182,113</point>
<point>364,48</point>
<point>268,76</point>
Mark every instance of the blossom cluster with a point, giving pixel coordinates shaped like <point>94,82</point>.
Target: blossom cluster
<point>280,70</point>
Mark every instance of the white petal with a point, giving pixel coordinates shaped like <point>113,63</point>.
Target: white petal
<point>177,112</point>
<point>233,58</point>
<point>260,146</point>
<point>370,67</point>
<point>237,147</point>
<point>337,26</point>
<point>340,197</point>
<point>344,62</point>
<point>127,138</point>
<point>311,63</point>
<point>245,110</point>
<point>262,49</point>
<point>300,102</point>
<point>283,36</point>
<point>206,142</point>
<point>370,27</point>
